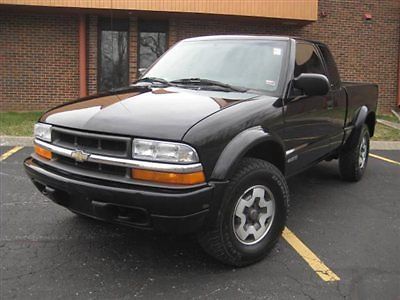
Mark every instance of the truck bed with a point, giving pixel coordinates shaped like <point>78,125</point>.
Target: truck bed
<point>358,95</point>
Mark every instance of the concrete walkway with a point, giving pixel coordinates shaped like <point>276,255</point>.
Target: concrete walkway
<point>27,141</point>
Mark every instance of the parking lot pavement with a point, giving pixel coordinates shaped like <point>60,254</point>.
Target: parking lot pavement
<point>4,149</point>
<point>46,252</point>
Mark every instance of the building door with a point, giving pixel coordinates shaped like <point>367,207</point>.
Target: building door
<point>113,71</point>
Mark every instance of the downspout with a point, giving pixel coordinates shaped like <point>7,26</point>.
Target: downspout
<point>398,79</point>
<point>82,57</point>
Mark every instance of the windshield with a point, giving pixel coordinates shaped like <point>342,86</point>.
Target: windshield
<point>252,64</point>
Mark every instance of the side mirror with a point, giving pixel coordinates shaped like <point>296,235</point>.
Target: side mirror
<point>312,84</point>
<point>142,71</point>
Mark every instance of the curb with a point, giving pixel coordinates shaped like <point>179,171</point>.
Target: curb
<point>389,124</point>
<point>27,141</point>
<point>383,145</point>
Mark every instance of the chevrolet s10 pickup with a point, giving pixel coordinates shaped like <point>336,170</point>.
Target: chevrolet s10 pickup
<point>203,142</point>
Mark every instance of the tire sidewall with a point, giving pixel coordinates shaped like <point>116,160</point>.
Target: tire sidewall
<point>364,133</point>
<point>277,187</point>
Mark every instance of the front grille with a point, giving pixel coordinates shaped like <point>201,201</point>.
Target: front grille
<point>90,166</point>
<point>92,143</point>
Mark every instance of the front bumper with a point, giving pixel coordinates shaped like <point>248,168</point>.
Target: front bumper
<point>162,209</point>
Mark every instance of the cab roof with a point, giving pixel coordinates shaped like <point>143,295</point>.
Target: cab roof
<point>251,37</point>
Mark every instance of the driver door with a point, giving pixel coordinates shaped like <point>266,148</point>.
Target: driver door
<point>307,125</point>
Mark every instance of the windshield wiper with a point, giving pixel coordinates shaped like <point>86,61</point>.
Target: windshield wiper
<point>202,81</point>
<point>154,80</point>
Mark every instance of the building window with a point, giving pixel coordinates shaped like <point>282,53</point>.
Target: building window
<point>113,71</point>
<point>152,41</point>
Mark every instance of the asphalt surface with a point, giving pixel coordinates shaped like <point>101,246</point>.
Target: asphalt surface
<point>46,252</point>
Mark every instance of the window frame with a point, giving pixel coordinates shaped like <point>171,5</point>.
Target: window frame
<point>334,84</point>
<point>317,51</point>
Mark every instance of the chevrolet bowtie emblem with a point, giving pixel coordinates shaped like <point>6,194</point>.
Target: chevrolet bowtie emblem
<point>80,156</point>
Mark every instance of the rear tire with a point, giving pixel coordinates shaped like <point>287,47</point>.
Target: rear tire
<point>252,215</point>
<point>353,158</point>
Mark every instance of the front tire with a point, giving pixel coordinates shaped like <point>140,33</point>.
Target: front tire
<point>353,158</point>
<point>252,215</point>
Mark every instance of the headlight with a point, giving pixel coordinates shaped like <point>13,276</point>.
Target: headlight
<point>163,151</point>
<point>43,132</point>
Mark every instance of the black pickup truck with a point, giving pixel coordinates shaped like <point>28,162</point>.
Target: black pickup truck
<point>203,142</point>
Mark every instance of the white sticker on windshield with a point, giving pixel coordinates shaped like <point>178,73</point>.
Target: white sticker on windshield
<point>277,51</point>
<point>270,82</point>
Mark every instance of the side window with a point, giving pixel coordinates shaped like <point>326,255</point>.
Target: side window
<point>307,60</point>
<point>333,73</point>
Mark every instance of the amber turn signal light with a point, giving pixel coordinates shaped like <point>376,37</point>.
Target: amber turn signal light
<point>165,177</point>
<point>43,152</point>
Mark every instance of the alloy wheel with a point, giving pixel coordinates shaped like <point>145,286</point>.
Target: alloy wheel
<point>254,214</point>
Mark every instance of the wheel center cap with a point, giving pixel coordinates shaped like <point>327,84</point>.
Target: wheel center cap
<point>253,215</point>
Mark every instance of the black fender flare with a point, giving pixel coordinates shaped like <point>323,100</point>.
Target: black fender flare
<point>238,147</point>
<point>357,124</point>
<point>360,117</point>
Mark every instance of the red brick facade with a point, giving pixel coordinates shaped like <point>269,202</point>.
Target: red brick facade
<point>38,61</point>
<point>39,53</point>
<point>365,50</point>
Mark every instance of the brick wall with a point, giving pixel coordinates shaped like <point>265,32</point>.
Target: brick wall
<point>38,61</point>
<point>39,53</point>
<point>365,50</point>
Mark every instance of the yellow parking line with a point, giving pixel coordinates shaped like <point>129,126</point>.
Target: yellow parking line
<point>313,261</point>
<point>384,159</point>
<point>10,152</point>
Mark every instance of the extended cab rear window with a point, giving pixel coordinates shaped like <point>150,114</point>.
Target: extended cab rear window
<point>333,72</point>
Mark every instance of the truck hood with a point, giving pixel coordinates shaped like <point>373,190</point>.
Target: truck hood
<point>158,113</point>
